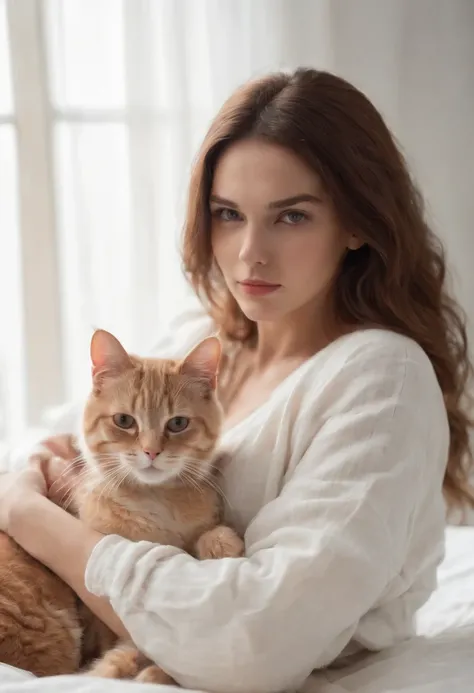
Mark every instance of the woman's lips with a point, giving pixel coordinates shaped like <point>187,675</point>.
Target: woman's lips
<point>255,287</point>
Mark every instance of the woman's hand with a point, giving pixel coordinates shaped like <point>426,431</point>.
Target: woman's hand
<point>51,473</point>
<point>61,463</point>
<point>17,488</point>
<point>54,537</point>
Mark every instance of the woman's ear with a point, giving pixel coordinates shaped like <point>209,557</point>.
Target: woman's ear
<point>354,242</point>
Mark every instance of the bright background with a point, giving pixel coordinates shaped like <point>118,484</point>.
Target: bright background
<point>102,107</point>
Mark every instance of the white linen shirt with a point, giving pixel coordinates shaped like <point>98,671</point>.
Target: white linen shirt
<point>335,483</point>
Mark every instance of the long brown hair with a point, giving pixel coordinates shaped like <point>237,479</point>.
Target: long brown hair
<point>397,279</point>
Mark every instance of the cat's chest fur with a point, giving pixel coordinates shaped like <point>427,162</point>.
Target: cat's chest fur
<point>176,516</point>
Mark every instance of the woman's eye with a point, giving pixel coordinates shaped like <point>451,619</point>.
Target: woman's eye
<point>123,420</point>
<point>177,424</point>
<point>227,214</point>
<point>293,217</point>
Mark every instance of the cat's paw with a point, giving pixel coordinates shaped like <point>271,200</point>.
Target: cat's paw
<point>219,542</point>
<point>121,662</point>
<point>153,674</point>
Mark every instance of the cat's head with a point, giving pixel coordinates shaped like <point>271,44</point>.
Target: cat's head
<point>152,421</point>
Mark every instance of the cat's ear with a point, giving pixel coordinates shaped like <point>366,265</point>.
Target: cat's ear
<point>107,354</point>
<point>203,360</point>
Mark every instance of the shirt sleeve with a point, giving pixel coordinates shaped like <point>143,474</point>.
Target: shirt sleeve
<point>318,557</point>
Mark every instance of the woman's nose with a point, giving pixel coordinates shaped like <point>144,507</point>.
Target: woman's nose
<point>253,249</point>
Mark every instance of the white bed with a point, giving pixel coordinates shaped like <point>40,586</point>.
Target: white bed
<point>439,660</point>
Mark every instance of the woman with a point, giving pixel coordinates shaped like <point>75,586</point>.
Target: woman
<point>343,384</point>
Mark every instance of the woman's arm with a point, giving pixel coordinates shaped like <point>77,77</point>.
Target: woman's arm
<point>64,544</point>
<point>319,557</point>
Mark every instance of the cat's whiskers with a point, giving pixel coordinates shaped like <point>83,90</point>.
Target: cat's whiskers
<point>210,481</point>
<point>107,486</point>
<point>67,498</point>
<point>203,467</point>
<point>116,476</point>
<point>64,480</point>
<point>84,464</point>
<point>91,475</point>
<point>194,467</point>
<point>69,486</point>
<point>126,474</point>
<point>193,472</point>
<point>70,483</point>
<point>71,464</point>
<point>189,479</point>
<point>122,480</point>
<point>67,501</point>
<point>182,462</point>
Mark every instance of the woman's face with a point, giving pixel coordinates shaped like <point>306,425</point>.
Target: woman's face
<point>275,234</point>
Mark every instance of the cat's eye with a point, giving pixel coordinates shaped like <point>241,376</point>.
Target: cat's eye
<point>123,420</point>
<point>177,424</point>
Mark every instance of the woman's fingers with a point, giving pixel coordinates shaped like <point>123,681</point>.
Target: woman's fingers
<point>62,446</point>
<point>60,474</point>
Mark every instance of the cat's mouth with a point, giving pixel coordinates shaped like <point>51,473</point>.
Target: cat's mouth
<point>145,471</point>
<point>134,468</point>
<point>151,476</point>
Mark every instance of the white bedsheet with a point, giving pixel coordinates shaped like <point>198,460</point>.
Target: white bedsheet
<point>440,659</point>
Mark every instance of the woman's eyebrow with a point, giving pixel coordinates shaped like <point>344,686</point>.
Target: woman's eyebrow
<point>287,201</point>
<point>223,201</point>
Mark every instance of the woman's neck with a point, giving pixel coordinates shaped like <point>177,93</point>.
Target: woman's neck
<point>298,336</point>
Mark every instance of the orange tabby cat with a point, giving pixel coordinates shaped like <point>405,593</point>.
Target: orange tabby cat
<point>150,430</point>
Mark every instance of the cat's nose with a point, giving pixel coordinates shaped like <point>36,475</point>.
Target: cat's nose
<point>151,454</point>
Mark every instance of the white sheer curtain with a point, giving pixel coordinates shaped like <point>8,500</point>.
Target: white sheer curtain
<point>102,106</point>
<point>131,110</point>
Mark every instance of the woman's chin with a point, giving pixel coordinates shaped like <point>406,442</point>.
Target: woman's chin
<point>258,312</point>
